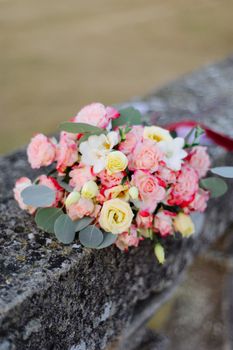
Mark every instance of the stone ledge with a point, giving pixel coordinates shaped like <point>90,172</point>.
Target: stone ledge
<point>56,297</point>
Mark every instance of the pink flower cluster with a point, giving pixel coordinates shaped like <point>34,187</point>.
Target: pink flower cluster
<point>141,174</point>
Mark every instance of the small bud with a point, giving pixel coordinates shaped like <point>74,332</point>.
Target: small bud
<point>72,198</point>
<point>159,253</point>
<point>89,190</point>
<point>184,224</point>
<point>133,192</point>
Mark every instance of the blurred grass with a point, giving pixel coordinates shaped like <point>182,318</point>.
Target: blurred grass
<point>58,56</point>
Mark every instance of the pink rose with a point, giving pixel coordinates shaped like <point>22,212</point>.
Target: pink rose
<point>67,151</point>
<point>80,175</point>
<point>199,160</point>
<point>84,207</point>
<point>150,190</point>
<point>163,223</point>
<point>183,191</point>
<point>132,139</point>
<point>20,185</point>
<point>167,175</point>
<point>128,239</point>
<point>146,156</point>
<point>54,185</point>
<point>110,180</point>
<point>144,219</point>
<point>96,114</point>
<point>199,203</point>
<point>41,151</point>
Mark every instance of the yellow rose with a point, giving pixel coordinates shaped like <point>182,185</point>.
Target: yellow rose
<point>183,223</point>
<point>72,198</point>
<point>120,191</point>
<point>156,133</point>
<point>116,161</point>
<point>89,190</point>
<point>115,216</point>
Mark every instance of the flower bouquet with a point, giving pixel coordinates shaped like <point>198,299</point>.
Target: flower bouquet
<point>112,180</point>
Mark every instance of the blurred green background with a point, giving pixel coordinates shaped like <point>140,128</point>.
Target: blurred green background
<point>56,56</point>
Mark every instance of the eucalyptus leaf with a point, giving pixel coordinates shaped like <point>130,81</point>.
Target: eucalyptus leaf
<point>128,116</point>
<point>38,196</point>
<point>64,185</point>
<point>82,223</point>
<point>64,229</point>
<point>91,237</point>
<point>224,171</point>
<point>109,239</point>
<point>215,185</point>
<point>80,128</point>
<point>46,217</point>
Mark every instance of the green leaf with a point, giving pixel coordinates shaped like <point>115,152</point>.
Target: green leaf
<point>109,239</point>
<point>91,237</point>
<point>224,171</point>
<point>64,185</point>
<point>84,138</point>
<point>80,128</point>
<point>215,185</point>
<point>82,223</point>
<point>128,116</point>
<point>38,196</point>
<point>46,217</point>
<point>64,229</point>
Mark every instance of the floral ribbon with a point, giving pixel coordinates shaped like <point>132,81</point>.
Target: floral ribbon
<point>218,138</point>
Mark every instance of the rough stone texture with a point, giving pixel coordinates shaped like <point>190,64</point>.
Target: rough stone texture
<point>56,297</point>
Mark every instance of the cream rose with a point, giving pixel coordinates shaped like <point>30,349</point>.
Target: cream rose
<point>116,216</point>
<point>184,224</point>
<point>116,161</point>
<point>157,134</point>
<point>90,189</point>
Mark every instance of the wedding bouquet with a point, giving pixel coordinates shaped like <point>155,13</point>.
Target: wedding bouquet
<point>112,180</point>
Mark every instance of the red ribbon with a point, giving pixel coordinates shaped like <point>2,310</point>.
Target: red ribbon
<point>218,138</point>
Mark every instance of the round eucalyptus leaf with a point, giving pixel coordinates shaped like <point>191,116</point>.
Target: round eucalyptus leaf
<point>91,237</point>
<point>64,229</point>
<point>215,185</point>
<point>129,116</point>
<point>82,223</point>
<point>224,171</point>
<point>46,217</point>
<point>109,239</point>
<point>38,196</point>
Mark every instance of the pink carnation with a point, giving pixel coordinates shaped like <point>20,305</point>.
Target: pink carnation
<point>84,207</point>
<point>163,223</point>
<point>41,151</point>
<point>199,160</point>
<point>150,190</point>
<point>110,180</point>
<point>167,175</point>
<point>184,190</point>
<point>128,239</point>
<point>67,152</point>
<point>80,175</point>
<point>96,114</point>
<point>144,219</point>
<point>132,139</point>
<point>146,156</point>
<point>200,202</point>
<point>20,185</point>
<point>53,184</point>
